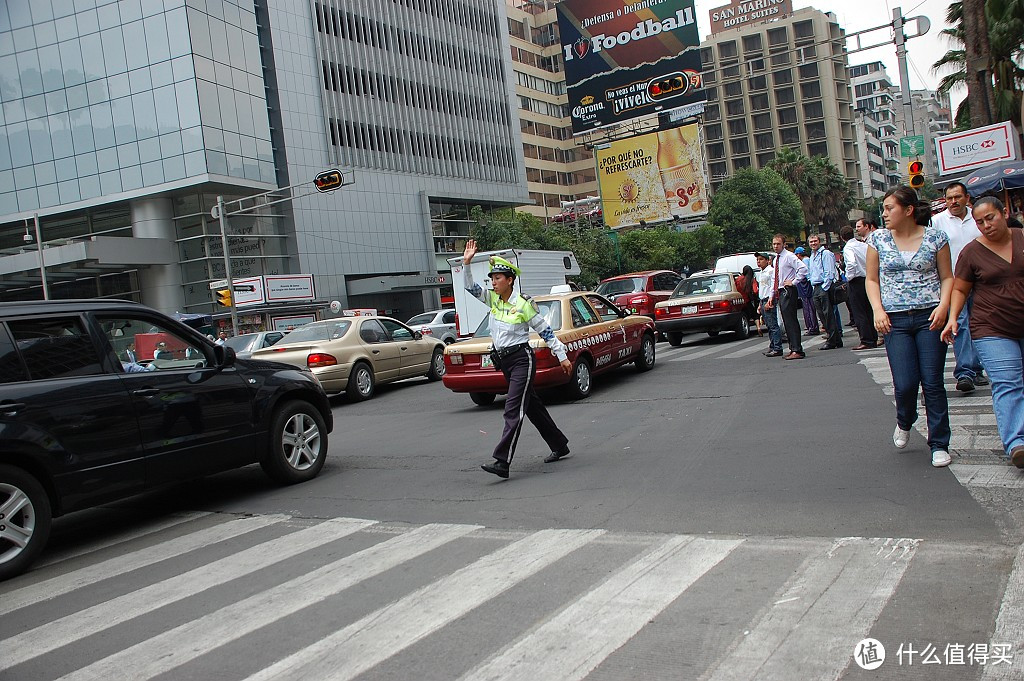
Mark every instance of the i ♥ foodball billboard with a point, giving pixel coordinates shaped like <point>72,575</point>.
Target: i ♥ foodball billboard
<point>625,60</point>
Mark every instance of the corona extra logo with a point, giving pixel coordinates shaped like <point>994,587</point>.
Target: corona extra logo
<point>587,101</point>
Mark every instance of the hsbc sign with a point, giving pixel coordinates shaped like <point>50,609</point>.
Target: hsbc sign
<point>975,148</point>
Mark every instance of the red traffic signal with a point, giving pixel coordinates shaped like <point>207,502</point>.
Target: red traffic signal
<point>915,174</point>
<point>328,181</point>
<point>671,85</point>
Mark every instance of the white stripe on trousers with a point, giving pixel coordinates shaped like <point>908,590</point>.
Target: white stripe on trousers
<point>522,405</point>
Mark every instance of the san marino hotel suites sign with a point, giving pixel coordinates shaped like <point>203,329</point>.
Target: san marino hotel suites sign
<point>748,12</point>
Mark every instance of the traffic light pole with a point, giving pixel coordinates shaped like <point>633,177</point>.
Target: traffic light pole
<point>227,262</point>
<point>901,58</point>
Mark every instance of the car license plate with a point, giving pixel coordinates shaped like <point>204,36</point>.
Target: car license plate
<point>688,309</point>
<point>485,361</point>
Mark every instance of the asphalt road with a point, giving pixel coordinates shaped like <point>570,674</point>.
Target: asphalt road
<point>723,516</point>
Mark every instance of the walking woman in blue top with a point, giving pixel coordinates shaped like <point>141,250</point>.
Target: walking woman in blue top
<point>512,317</point>
<point>909,282</point>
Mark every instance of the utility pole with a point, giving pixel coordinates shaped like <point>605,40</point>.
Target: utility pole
<point>227,262</point>
<point>42,263</point>
<point>901,57</point>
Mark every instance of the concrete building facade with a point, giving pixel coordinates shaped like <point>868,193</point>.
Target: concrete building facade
<point>124,120</point>
<point>779,84</point>
<point>557,169</point>
<point>875,128</point>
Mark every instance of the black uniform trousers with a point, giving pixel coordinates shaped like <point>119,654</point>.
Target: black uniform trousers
<point>827,314</point>
<point>862,314</point>
<point>522,402</point>
<point>787,298</point>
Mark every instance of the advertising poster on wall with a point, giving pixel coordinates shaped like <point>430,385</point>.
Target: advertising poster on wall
<point>623,61</point>
<point>654,177</point>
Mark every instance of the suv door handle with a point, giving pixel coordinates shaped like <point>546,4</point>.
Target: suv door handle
<point>11,407</point>
<point>146,392</point>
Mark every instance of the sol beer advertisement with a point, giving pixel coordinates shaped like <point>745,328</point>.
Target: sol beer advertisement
<point>627,59</point>
<point>653,177</point>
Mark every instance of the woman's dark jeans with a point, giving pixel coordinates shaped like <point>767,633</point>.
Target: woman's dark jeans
<point>917,358</point>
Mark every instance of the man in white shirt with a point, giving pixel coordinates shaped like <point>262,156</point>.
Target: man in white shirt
<point>789,271</point>
<point>765,278</point>
<point>958,224</point>
<point>855,255</point>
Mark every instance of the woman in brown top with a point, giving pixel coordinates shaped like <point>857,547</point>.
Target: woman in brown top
<point>993,267</point>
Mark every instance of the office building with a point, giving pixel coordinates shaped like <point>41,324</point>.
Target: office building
<point>875,128</point>
<point>557,169</point>
<point>124,120</point>
<point>778,84</point>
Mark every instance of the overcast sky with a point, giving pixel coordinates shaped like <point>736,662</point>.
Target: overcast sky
<point>857,15</point>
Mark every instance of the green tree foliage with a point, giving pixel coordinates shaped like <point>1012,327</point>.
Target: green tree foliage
<point>753,205</point>
<point>595,247</point>
<point>1005,20</point>
<point>820,187</point>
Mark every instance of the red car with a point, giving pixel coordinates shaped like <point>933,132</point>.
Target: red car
<point>639,292</point>
<point>596,334</point>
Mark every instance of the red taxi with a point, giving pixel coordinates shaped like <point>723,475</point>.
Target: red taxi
<point>596,334</point>
<point>704,302</point>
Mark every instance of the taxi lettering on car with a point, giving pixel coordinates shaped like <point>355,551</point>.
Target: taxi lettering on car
<point>597,335</point>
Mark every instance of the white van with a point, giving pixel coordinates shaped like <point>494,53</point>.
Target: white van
<point>736,262</point>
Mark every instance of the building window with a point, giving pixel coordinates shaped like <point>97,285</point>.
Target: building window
<point>810,90</point>
<point>759,102</point>
<point>763,160</point>
<point>813,110</point>
<point>781,59</point>
<point>784,77</point>
<point>758,83</point>
<point>789,136</point>
<point>815,131</point>
<point>740,145</point>
<point>712,113</point>
<point>803,30</point>
<point>784,95</point>
<point>713,132</point>
<point>818,149</point>
<point>706,58</point>
<point>752,43</point>
<point>716,151</point>
<point>516,29</point>
<point>787,116</point>
<point>741,162</point>
<point>808,71</point>
<point>727,49</point>
<point>763,122</point>
<point>731,71</point>
<point>738,127</point>
<point>764,141</point>
<point>777,36</point>
<point>734,107</point>
<point>734,89</point>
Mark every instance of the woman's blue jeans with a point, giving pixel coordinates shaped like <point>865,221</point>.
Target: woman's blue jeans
<point>917,359</point>
<point>1003,358</point>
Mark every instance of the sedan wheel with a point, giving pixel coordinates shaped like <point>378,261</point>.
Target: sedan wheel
<point>743,328</point>
<point>675,339</point>
<point>579,382</point>
<point>437,367</point>
<point>24,520</point>
<point>360,383</point>
<point>298,444</point>
<point>482,399</point>
<point>645,362</point>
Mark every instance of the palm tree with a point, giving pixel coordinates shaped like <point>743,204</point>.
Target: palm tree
<point>795,169</point>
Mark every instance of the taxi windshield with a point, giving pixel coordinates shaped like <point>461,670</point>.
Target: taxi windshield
<point>705,285</point>
<point>550,310</point>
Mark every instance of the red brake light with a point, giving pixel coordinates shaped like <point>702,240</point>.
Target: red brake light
<point>320,359</point>
<point>426,331</point>
<point>639,300</point>
<point>659,312</point>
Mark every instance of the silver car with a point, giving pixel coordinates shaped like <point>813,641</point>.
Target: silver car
<point>439,324</point>
<point>247,343</point>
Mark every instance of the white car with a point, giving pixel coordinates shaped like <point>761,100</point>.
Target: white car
<point>439,324</point>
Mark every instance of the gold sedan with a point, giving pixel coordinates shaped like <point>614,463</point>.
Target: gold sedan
<point>354,354</point>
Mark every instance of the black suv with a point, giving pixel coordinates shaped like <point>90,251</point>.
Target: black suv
<point>102,399</point>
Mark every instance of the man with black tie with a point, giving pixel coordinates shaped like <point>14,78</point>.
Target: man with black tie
<point>789,270</point>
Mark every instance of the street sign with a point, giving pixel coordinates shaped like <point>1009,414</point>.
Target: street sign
<point>245,289</point>
<point>219,283</point>
<point>328,181</point>
<point>911,147</point>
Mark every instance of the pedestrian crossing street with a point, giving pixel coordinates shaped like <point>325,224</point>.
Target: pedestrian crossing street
<point>216,596</point>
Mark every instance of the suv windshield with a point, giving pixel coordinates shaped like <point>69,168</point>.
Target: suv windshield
<point>619,286</point>
<point>704,285</point>
<point>550,310</point>
<point>318,332</point>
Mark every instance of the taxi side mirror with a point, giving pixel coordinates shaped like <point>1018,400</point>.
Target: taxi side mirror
<point>624,313</point>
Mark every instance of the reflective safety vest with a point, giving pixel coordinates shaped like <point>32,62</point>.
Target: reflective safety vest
<point>521,311</point>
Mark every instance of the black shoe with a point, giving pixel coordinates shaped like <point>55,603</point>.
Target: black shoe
<point>499,468</point>
<point>555,456</point>
<point>812,333</point>
<point>980,380</point>
<point>773,353</point>
<point>965,385</point>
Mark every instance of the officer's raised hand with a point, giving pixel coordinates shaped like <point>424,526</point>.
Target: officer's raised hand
<point>567,367</point>
<point>467,255</point>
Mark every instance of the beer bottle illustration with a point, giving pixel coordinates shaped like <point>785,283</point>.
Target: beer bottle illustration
<point>677,172</point>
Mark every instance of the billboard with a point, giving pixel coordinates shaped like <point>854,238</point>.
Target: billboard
<point>624,61</point>
<point>975,148</point>
<point>654,177</point>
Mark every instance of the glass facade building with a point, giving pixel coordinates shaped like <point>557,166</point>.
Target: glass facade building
<point>146,110</point>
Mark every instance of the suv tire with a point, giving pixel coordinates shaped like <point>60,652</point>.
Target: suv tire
<point>31,517</point>
<point>298,444</point>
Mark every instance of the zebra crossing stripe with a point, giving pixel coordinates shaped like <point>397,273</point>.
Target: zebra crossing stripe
<point>362,645</point>
<point>184,643</point>
<point>1010,623</point>
<point>76,626</point>
<point>141,530</point>
<point>608,616</point>
<point>119,565</point>
<point>828,606</point>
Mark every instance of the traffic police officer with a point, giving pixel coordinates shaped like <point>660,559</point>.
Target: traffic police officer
<point>512,317</point>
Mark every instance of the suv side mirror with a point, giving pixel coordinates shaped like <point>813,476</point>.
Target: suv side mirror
<point>225,356</point>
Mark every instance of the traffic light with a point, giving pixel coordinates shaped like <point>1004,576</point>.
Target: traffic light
<point>915,174</point>
<point>224,297</point>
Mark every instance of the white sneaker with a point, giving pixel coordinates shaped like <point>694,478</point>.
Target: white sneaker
<point>940,458</point>
<point>900,437</point>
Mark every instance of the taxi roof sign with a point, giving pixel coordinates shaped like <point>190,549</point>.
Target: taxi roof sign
<point>328,181</point>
